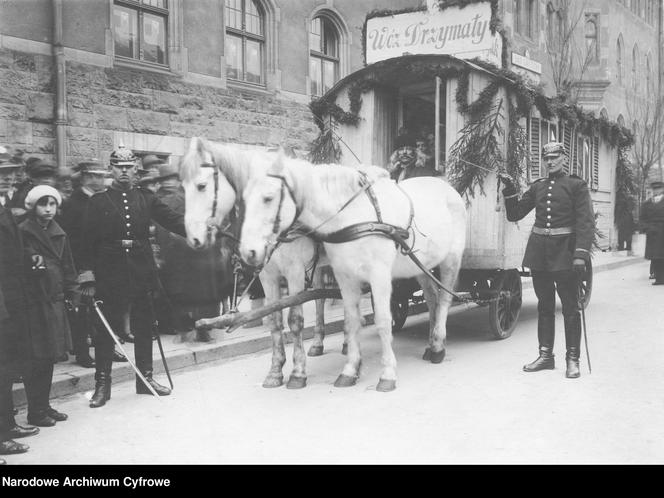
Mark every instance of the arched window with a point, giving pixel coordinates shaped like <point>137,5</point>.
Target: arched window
<point>649,88</point>
<point>551,26</point>
<point>604,114</point>
<point>525,17</point>
<point>590,34</point>
<point>517,13</point>
<point>531,18</point>
<point>635,63</point>
<point>621,121</point>
<point>620,57</point>
<point>323,55</point>
<point>245,41</point>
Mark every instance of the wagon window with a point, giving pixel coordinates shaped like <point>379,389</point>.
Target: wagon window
<point>324,55</point>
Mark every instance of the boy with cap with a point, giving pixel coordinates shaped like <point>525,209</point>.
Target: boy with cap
<point>557,251</point>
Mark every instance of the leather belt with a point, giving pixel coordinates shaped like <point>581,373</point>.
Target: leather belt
<point>553,231</point>
<point>125,244</point>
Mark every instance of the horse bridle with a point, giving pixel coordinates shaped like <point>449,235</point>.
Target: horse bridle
<point>285,187</point>
<point>215,201</point>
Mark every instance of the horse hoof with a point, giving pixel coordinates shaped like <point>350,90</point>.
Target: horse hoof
<point>296,382</point>
<point>427,354</point>
<point>344,349</point>
<point>437,357</point>
<point>345,381</point>
<point>315,351</point>
<point>386,385</point>
<point>271,382</point>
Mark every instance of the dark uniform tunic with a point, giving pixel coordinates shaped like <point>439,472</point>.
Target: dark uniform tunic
<point>114,216</point>
<point>562,203</point>
<point>117,250</point>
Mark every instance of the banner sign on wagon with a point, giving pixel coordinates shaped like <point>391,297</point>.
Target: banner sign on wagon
<point>460,32</point>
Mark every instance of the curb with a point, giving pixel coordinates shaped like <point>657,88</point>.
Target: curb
<point>80,379</point>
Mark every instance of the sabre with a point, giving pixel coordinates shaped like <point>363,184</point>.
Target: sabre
<point>585,336</point>
<point>155,331</point>
<point>117,343</point>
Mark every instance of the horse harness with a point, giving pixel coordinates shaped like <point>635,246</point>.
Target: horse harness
<point>358,230</point>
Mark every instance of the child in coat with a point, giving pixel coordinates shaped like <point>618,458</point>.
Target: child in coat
<point>51,280</point>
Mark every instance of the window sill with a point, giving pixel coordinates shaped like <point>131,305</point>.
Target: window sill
<point>145,66</point>
<point>246,86</point>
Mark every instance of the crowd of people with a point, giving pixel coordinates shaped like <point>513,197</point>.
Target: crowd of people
<point>110,235</point>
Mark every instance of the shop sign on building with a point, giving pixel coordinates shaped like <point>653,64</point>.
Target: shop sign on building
<point>460,32</point>
<point>527,67</point>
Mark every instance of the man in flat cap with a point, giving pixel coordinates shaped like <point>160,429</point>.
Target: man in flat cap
<point>91,175</point>
<point>557,251</point>
<point>652,222</point>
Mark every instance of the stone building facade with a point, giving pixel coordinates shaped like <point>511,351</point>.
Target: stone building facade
<point>154,100</point>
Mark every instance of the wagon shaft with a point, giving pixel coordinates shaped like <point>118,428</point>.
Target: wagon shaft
<point>235,320</point>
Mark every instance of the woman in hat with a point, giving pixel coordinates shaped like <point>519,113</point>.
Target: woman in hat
<point>51,280</point>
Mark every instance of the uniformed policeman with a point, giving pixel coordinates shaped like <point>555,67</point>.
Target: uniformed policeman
<point>557,251</point>
<point>119,268</point>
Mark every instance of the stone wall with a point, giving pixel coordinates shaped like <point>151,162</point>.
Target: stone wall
<point>27,100</point>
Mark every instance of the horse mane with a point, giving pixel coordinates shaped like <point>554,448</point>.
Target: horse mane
<point>233,162</point>
<point>335,181</point>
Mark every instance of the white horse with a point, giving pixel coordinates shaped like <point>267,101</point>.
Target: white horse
<point>234,168</point>
<point>317,196</point>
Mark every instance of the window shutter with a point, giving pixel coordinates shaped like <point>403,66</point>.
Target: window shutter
<point>578,155</point>
<point>567,141</point>
<point>595,170</point>
<point>535,155</point>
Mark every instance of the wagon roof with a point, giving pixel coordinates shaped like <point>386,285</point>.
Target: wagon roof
<point>405,70</point>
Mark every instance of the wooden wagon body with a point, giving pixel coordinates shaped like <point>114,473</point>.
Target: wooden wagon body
<point>491,267</point>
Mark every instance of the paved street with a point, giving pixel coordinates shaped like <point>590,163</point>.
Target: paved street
<point>476,407</point>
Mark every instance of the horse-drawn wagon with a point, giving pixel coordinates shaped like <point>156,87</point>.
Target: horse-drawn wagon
<point>473,115</point>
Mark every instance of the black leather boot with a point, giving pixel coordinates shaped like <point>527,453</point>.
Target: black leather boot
<point>102,389</point>
<point>573,344</point>
<point>546,330</point>
<point>142,389</point>
<point>545,361</point>
<point>572,359</point>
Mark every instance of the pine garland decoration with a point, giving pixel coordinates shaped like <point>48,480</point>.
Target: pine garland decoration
<point>478,145</point>
<point>517,146</point>
<point>325,148</point>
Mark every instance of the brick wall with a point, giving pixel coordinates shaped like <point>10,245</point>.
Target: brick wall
<point>27,103</point>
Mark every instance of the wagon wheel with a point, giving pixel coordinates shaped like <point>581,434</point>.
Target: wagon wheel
<point>504,311</point>
<point>586,285</point>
